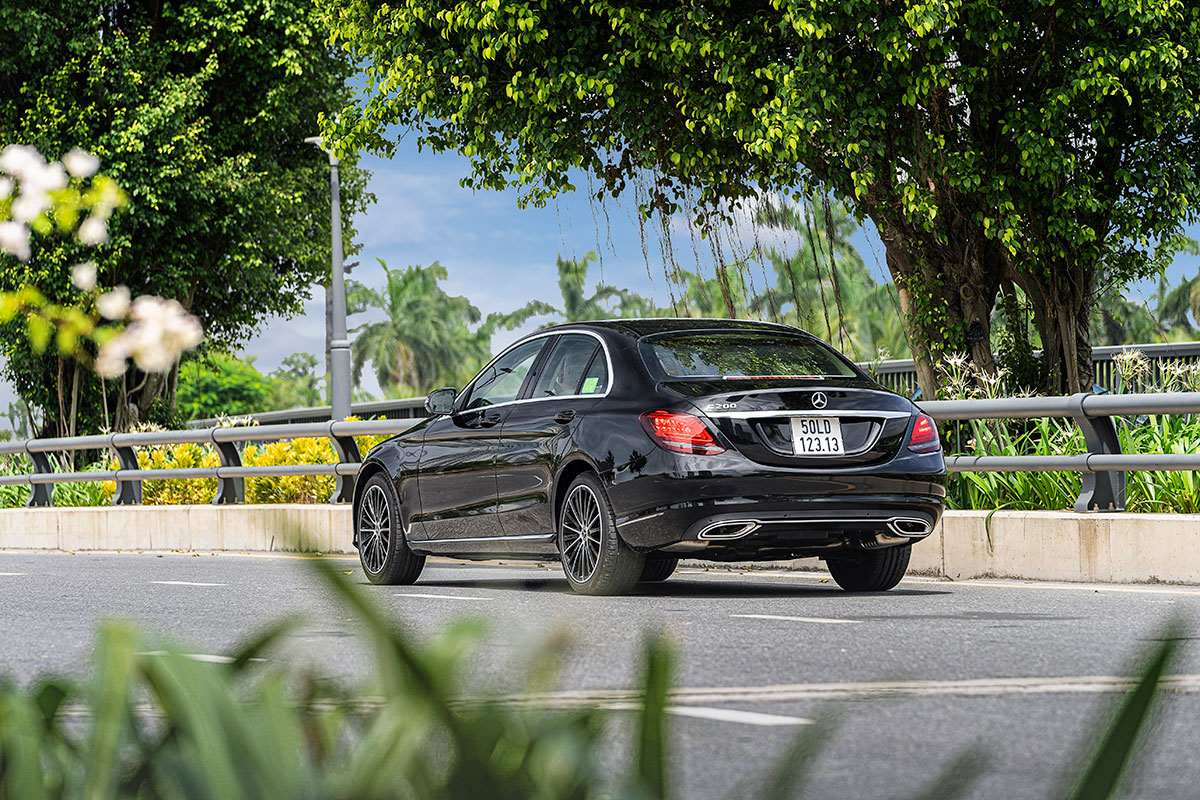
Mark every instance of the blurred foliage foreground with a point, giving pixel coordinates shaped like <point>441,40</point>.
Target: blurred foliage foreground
<point>151,722</point>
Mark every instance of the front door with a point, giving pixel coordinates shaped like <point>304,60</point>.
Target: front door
<point>457,481</point>
<point>536,434</point>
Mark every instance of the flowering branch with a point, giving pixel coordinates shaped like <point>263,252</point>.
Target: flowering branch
<point>37,196</point>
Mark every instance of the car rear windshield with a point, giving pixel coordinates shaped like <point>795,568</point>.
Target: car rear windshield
<point>738,354</point>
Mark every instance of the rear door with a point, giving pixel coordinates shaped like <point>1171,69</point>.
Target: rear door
<point>537,433</point>
<point>457,482</point>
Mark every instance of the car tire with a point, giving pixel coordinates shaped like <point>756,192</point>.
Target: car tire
<point>871,570</point>
<point>382,550</point>
<point>594,558</point>
<point>658,570</point>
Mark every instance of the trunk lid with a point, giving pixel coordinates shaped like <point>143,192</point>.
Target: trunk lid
<point>763,419</point>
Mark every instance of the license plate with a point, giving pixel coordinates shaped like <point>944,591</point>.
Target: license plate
<point>817,436</point>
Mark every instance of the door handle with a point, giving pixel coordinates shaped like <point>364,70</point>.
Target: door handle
<point>565,416</point>
<point>489,420</point>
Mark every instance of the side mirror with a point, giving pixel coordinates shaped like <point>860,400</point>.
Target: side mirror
<point>441,401</point>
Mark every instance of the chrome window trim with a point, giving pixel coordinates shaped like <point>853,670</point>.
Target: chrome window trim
<point>526,340</point>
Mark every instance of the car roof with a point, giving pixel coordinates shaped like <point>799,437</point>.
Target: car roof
<point>652,325</point>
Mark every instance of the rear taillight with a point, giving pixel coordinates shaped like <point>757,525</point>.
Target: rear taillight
<point>682,433</point>
<point>924,438</point>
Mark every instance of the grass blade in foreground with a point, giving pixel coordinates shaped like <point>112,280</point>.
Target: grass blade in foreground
<point>1110,758</point>
<point>652,721</point>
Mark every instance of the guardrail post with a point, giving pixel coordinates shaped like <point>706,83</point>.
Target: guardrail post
<point>129,493</point>
<point>1102,491</point>
<point>347,453</point>
<point>229,490</point>
<point>40,494</point>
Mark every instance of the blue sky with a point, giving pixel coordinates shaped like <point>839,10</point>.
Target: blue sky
<point>500,256</point>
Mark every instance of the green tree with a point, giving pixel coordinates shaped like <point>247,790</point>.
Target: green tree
<point>1031,141</point>
<point>221,385</point>
<point>199,112</point>
<point>605,302</point>
<point>299,380</point>
<point>425,339</point>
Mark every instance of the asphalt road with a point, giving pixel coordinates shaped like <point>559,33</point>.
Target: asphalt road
<point>1023,672</point>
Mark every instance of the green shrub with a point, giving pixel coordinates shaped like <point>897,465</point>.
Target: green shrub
<point>65,494</point>
<point>1177,492</point>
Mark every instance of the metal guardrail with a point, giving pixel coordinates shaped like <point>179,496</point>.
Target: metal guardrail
<point>1103,466</point>
<point>407,408</point>
<point>900,375</point>
<point>230,475</point>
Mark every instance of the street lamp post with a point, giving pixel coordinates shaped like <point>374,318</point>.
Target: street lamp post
<point>339,342</point>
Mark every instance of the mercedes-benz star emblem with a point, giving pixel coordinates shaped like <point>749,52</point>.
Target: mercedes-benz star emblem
<point>819,400</point>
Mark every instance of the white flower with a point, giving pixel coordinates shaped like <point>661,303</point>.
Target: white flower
<point>6,187</point>
<point>80,163</point>
<point>29,206</point>
<point>84,276</point>
<point>93,231</point>
<point>35,177</point>
<point>110,361</point>
<point>157,335</point>
<point>14,239</point>
<point>21,160</point>
<point>114,304</point>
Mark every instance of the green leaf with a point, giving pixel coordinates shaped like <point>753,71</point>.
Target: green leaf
<point>1107,764</point>
<point>114,675</point>
<point>650,768</point>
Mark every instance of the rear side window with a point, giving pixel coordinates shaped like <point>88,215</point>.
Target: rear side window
<point>595,380</point>
<point>733,354</point>
<point>563,371</point>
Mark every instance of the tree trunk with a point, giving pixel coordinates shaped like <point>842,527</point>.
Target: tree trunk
<point>1062,306</point>
<point>947,282</point>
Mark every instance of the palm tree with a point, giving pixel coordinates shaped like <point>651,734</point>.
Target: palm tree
<point>824,286</point>
<point>425,339</point>
<point>577,305</point>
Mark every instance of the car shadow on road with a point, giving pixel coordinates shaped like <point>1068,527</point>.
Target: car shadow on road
<point>685,588</point>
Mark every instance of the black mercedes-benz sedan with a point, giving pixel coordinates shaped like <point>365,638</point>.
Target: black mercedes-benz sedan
<point>618,447</point>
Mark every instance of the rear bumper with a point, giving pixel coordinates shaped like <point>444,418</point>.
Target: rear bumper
<point>755,529</point>
<point>726,506</point>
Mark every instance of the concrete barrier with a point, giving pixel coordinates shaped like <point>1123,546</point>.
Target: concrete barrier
<point>1030,545</point>
<point>321,528</point>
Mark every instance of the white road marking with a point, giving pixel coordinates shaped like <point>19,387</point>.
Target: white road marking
<point>438,596</point>
<point>819,620</point>
<point>798,692</point>
<point>733,715</point>
<point>11,574</point>
<point>210,659</point>
<point>186,583</point>
<point>720,714</point>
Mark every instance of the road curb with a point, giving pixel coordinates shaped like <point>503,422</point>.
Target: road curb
<point>1024,545</point>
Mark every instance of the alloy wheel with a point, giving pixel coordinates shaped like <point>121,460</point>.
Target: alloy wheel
<point>581,533</point>
<point>374,528</point>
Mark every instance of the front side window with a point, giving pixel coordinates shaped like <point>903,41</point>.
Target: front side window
<point>738,354</point>
<point>563,372</point>
<point>501,381</point>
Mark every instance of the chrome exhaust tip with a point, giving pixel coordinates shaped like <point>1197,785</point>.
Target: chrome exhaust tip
<point>731,529</point>
<point>914,527</point>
